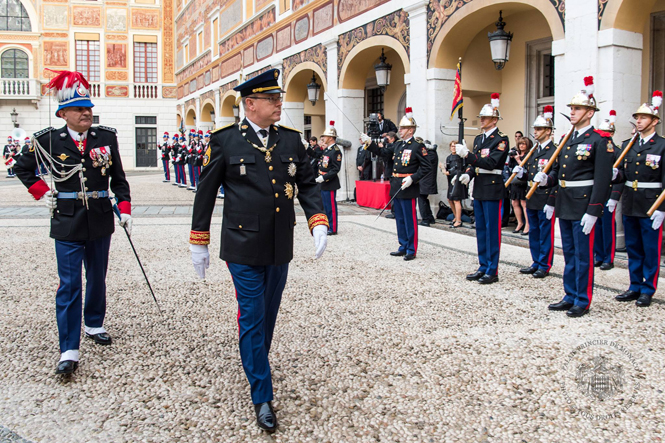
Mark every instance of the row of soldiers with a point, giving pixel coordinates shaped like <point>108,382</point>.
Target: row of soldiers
<point>11,149</point>
<point>184,154</point>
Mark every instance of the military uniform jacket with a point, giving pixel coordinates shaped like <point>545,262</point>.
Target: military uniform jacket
<point>644,165</point>
<point>259,217</point>
<point>410,159</point>
<point>588,157</point>
<point>428,183</point>
<point>7,151</point>
<point>543,195</point>
<point>71,220</point>
<point>166,149</point>
<point>329,166</point>
<point>489,155</point>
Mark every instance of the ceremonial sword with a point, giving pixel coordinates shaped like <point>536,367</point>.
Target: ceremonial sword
<point>117,212</point>
<point>388,204</point>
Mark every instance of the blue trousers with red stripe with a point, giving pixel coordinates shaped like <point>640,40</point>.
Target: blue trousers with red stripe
<point>604,245</point>
<point>330,206</point>
<point>192,180</point>
<point>578,255</point>
<point>488,234</point>
<point>94,255</point>
<point>259,293</point>
<point>406,219</point>
<point>197,174</point>
<point>541,239</point>
<point>643,245</point>
<point>167,171</point>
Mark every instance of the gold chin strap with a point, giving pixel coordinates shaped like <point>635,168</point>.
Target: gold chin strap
<point>269,88</point>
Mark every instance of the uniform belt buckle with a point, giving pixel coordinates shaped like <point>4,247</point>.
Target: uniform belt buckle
<point>477,171</point>
<point>95,194</point>
<point>562,183</point>
<point>635,185</point>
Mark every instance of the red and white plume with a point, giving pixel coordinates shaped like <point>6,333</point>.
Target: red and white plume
<point>548,112</point>
<point>613,116</point>
<point>332,123</point>
<point>495,100</point>
<point>590,89</point>
<point>66,83</point>
<point>657,99</point>
<point>409,113</point>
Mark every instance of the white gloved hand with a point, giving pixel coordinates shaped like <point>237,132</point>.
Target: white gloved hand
<point>518,171</point>
<point>365,138</point>
<point>587,223</point>
<point>464,179</point>
<point>612,205</point>
<point>50,200</point>
<point>200,259</point>
<point>453,181</point>
<point>461,149</point>
<point>320,234</point>
<point>549,211</point>
<point>615,172</point>
<point>406,182</point>
<point>541,179</point>
<point>304,143</point>
<point>657,218</point>
<point>319,179</point>
<point>126,222</point>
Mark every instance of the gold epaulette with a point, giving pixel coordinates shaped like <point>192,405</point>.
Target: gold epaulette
<point>290,129</point>
<point>223,127</point>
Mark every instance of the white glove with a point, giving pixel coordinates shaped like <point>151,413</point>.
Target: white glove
<point>319,179</point>
<point>464,179</point>
<point>200,259</point>
<point>541,179</point>
<point>365,138</point>
<point>126,222</point>
<point>453,181</point>
<point>320,234</point>
<point>615,172</point>
<point>657,218</point>
<point>612,205</point>
<point>406,182</point>
<point>549,211</point>
<point>461,149</point>
<point>587,223</point>
<point>519,171</point>
<point>50,200</point>
<point>304,143</point>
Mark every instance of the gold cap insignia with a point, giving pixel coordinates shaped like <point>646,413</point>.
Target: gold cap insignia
<point>63,157</point>
<point>276,74</point>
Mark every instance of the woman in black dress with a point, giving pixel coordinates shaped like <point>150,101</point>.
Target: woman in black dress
<point>518,188</point>
<point>458,192</point>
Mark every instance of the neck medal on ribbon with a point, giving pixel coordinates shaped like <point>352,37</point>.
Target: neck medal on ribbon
<point>266,151</point>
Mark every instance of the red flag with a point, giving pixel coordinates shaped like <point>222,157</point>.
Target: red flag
<point>458,100</point>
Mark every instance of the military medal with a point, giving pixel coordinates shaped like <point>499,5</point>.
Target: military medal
<point>288,190</point>
<point>292,169</point>
<point>268,157</point>
<point>243,170</point>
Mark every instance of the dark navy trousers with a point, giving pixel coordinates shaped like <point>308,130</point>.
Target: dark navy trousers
<point>406,219</point>
<point>578,255</point>
<point>330,206</point>
<point>488,234</point>
<point>643,245</point>
<point>259,293</point>
<point>94,255</point>
<point>192,180</point>
<point>604,245</point>
<point>167,171</point>
<point>541,239</point>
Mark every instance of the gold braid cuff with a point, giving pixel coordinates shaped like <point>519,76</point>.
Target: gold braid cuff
<point>199,237</point>
<point>316,220</point>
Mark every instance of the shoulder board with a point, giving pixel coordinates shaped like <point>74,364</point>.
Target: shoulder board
<point>223,127</point>
<point>290,129</point>
<point>418,139</point>
<point>602,133</point>
<point>501,134</point>
<point>107,128</point>
<point>43,131</point>
<point>336,148</point>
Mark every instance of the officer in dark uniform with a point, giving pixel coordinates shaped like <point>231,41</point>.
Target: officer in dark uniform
<point>604,245</point>
<point>263,167</point>
<point>485,163</point>
<point>540,207</point>
<point>8,153</point>
<point>583,172</point>
<point>428,186</point>
<point>181,159</point>
<point>82,219</point>
<point>643,175</point>
<point>327,176</point>
<point>410,166</point>
<point>166,151</point>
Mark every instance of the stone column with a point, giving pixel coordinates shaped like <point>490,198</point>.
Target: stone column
<point>348,125</point>
<point>197,109</point>
<point>218,110</point>
<point>293,115</point>
<point>416,79</point>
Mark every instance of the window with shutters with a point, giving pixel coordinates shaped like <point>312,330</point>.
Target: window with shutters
<point>88,59</point>
<point>145,62</point>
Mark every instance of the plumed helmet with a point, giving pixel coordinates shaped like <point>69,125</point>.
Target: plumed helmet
<point>607,125</point>
<point>408,121</point>
<point>491,109</point>
<point>652,110</point>
<point>546,119</point>
<point>330,130</point>
<point>71,89</point>
<point>166,135</point>
<point>585,97</point>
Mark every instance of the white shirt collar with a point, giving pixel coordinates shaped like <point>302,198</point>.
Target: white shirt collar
<point>406,140</point>
<point>583,130</point>
<point>646,139</point>
<point>75,135</point>
<point>256,127</point>
<point>488,133</point>
<point>542,145</point>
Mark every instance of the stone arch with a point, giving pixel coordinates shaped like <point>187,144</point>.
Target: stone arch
<point>190,117</point>
<point>364,55</point>
<point>207,106</point>
<point>296,91</point>
<point>629,15</point>
<point>226,103</point>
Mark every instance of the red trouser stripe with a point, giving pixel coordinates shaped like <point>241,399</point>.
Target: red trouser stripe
<point>499,225</point>
<point>660,246</point>
<point>415,226</point>
<point>589,288</point>
<point>334,212</point>
<point>550,258</point>
<point>234,284</point>
<point>614,237</point>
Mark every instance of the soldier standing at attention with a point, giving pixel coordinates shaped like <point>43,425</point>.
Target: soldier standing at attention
<point>165,148</point>
<point>82,160</point>
<point>485,163</point>
<point>327,176</point>
<point>263,167</point>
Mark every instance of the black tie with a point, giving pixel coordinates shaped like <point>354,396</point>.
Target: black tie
<point>575,134</point>
<point>263,133</point>
<point>641,142</point>
<point>483,138</point>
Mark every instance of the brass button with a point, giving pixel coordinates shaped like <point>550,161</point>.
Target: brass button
<point>83,160</point>
<point>242,160</point>
<point>564,166</point>
<point>568,148</point>
<point>563,175</point>
<point>637,163</point>
<point>240,226</point>
<point>274,181</point>
<point>86,189</point>
<point>290,159</point>
<point>269,168</point>
<point>276,209</point>
<point>83,169</point>
<point>566,156</point>
<point>295,223</point>
<point>636,172</point>
<point>639,155</point>
<point>276,195</point>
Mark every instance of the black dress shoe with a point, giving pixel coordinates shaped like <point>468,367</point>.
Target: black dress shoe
<point>398,253</point>
<point>391,215</point>
<point>265,416</point>
<point>597,263</point>
<point>529,270</point>
<point>540,274</point>
<point>628,296</point>
<point>67,367</point>
<point>332,233</point>
<point>606,266</point>
<point>424,223</point>
<point>561,306</point>
<point>577,311</point>
<point>409,257</point>
<point>488,279</point>
<point>644,301</point>
<point>101,339</point>
<point>518,230</point>
<point>475,276</point>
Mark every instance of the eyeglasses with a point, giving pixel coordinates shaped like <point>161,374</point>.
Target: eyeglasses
<point>272,100</point>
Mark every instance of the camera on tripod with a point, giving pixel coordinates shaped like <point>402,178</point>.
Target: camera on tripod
<point>372,125</point>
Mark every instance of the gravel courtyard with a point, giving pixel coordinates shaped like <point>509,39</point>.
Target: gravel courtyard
<point>367,348</point>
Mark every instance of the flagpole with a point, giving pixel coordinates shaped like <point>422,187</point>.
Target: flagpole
<point>460,112</point>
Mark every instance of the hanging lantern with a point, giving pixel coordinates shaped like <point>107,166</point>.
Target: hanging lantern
<point>500,44</point>
<point>313,90</point>
<point>382,71</point>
